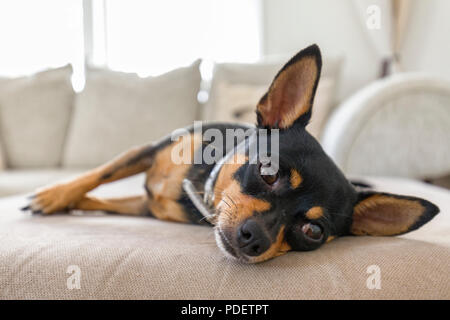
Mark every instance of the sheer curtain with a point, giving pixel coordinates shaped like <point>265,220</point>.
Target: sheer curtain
<point>35,35</point>
<point>150,37</point>
<point>388,35</point>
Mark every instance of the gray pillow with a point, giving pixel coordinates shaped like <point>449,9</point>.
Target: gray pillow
<point>117,110</point>
<point>231,79</point>
<point>34,116</point>
<point>258,74</point>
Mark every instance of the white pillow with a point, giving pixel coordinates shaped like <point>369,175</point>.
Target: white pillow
<point>34,116</point>
<point>239,86</point>
<point>323,105</point>
<point>237,103</point>
<point>116,111</point>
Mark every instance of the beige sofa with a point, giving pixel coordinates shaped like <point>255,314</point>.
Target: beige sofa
<point>142,258</point>
<point>49,134</point>
<point>395,126</point>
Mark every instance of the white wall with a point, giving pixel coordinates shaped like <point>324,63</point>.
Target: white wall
<point>290,25</point>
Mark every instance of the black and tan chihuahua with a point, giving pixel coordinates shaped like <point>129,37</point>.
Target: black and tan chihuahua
<point>256,215</point>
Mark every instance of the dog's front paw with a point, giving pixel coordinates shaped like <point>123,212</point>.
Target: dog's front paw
<point>58,197</point>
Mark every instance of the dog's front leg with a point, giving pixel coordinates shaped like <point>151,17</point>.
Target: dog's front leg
<point>134,206</point>
<point>65,195</point>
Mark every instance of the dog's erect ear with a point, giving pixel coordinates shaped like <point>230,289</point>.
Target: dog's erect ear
<point>384,214</point>
<point>291,93</point>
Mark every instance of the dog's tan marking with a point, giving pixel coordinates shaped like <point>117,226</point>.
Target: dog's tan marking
<point>229,198</point>
<point>314,213</point>
<point>278,248</point>
<point>295,179</point>
<point>330,238</point>
<point>381,215</point>
<point>135,206</point>
<point>164,180</point>
<point>65,195</point>
<point>290,94</point>
<point>225,177</point>
<point>235,206</point>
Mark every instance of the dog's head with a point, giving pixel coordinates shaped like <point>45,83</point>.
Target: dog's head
<point>308,201</point>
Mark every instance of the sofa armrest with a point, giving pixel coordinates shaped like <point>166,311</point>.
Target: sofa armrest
<point>397,126</point>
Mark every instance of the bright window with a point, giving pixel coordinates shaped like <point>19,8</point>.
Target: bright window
<point>36,35</point>
<point>153,36</point>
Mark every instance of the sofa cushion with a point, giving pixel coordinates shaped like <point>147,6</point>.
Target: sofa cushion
<point>26,180</point>
<point>34,116</point>
<point>117,257</point>
<point>116,111</point>
<point>239,86</point>
<point>236,103</point>
<point>13,182</point>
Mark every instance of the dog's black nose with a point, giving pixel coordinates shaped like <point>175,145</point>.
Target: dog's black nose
<point>252,239</point>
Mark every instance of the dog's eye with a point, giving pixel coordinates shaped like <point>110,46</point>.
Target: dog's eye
<point>312,231</point>
<point>267,175</point>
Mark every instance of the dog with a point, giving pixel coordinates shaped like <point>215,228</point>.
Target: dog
<point>257,214</point>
